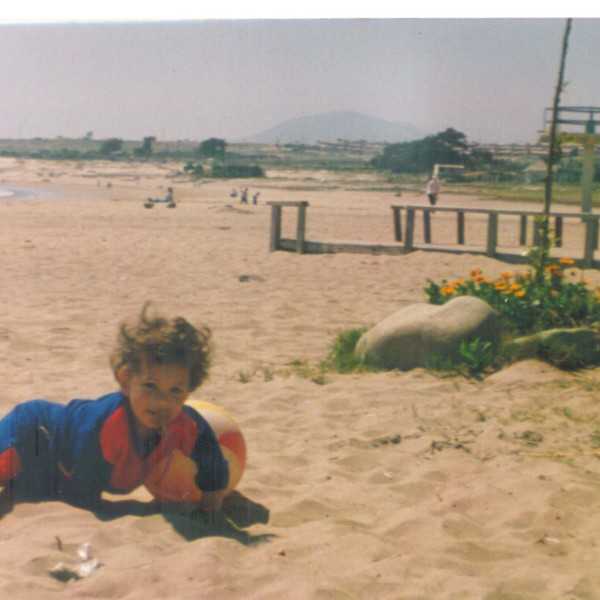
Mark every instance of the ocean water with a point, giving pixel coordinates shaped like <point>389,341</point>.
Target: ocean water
<point>11,193</point>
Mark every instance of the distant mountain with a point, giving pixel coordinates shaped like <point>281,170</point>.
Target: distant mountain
<point>332,126</point>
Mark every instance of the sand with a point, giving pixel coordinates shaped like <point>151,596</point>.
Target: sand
<point>391,485</point>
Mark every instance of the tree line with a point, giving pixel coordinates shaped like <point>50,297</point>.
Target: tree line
<point>419,156</point>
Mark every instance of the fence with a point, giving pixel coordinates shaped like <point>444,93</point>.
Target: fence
<point>487,242</point>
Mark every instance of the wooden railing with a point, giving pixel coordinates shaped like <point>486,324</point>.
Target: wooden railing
<point>405,239</point>
<point>301,245</point>
<point>590,223</point>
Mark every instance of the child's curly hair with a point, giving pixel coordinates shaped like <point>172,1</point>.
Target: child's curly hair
<point>162,341</point>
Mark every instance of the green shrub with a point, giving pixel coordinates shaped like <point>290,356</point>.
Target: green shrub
<point>226,171</point>
<point>193,169</point>
<point>554,297</point>
<point>476,356</point>
<point>558,297</point>
<point>473,359</point>
<point>342,357</point>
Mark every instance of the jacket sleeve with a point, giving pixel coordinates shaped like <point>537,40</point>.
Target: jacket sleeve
<point>26,452</point>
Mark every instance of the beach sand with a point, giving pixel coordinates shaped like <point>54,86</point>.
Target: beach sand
<point>392,485</point>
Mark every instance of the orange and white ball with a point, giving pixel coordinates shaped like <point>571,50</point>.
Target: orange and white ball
<point>173,478</point>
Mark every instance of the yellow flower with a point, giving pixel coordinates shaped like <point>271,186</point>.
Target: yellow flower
<point>515,286</point>
<point>501,285</point>
<point>520,293</point>
<point>566,261</point>
<point>447,290</point>
<point>458,282</point>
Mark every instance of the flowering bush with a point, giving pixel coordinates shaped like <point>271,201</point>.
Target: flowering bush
<point>560,297</point>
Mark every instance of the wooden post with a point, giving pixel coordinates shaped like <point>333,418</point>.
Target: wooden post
<point>301,228</point>
<point>523,231</point>
<point>397,223</point>
<point>587,177</point>
<point>591,234</point>
<point>410,230</point>
<point>460,225</point>
<point>558,229</point>
<point>427,226</point>
<point>275,227</point>
<point>492,234</point>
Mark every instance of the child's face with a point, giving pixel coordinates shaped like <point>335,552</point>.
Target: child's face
<point>156,393</point>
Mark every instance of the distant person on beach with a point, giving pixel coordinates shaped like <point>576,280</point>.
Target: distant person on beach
<point>168,199</point>
<point>255,198</point>
<point>74,452</point>
<point>244,196</point>
<point>233,193</point>
<point>433,190</point>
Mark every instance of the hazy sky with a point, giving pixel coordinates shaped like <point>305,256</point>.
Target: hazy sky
<point>489,78</point>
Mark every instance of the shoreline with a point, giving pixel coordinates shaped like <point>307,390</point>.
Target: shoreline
<point>20,193</point>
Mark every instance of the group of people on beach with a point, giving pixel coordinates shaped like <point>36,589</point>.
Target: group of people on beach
<point>244,195</point>
<point>169,199</point>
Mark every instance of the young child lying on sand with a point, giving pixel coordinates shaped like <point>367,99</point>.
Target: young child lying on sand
<point>76,451</point>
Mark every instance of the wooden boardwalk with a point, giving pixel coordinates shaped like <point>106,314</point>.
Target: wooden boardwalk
<point>503,234</point>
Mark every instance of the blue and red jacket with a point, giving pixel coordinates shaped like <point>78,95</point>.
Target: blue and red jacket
<point>78,450</point>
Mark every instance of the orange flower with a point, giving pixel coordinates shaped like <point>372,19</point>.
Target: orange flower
<point>479,277</point>
<point>515,286</point>
<point>447,290</point>
<point>520,293</point>
<point>474,272</point>
<point>552,268</point>
<point>566,261</point>
<point>501,285</point>
<point>458,282</point>
<point>506,275</point>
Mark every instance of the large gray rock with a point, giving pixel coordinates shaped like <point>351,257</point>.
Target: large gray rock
<point>412,336</point>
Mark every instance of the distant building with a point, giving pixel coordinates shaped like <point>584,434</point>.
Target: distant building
<point>535,173</point>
